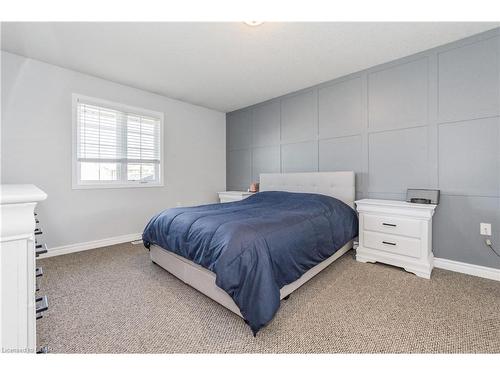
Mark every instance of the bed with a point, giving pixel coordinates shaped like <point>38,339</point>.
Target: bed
<point>249,255</point>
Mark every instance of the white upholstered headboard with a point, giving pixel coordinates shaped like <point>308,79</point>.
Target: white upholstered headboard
<point>336,184</point>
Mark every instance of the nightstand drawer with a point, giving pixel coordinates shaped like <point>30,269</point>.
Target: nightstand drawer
<point>392,244</point>
<point>229,198</point>
<point>233,196</point>
<point>393,225</point>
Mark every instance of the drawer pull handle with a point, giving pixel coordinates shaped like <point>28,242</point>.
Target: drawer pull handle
<point>38,231</point>
<point>43,350</point>
<point>38,272</point>
<point>42,304</point>
<point>389,225</point>
<point>389,243</point>
<point>40,249</point>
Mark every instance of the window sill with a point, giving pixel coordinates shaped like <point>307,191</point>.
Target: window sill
<point>115,186</point>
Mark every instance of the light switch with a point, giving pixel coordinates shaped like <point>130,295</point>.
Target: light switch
<point>485,229</point>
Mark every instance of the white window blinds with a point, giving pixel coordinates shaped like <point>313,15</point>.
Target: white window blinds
<point>115,145</point>
<point>108,136</point>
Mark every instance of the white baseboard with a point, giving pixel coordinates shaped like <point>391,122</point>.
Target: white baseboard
<point>67,249</point>
<point>467,268</point>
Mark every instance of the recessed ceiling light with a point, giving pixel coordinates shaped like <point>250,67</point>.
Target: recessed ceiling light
<point>254,23</point>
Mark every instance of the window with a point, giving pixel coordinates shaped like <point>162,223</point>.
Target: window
<point>115,145</point>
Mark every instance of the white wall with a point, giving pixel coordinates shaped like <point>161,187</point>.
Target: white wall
<point>36,148</point>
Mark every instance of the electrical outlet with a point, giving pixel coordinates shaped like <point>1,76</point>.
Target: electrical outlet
<point>485,229</point>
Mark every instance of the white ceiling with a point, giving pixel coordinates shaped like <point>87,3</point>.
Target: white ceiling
<point>225,66</point>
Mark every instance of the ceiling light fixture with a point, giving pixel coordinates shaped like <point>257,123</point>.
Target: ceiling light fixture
<point>254,23</point>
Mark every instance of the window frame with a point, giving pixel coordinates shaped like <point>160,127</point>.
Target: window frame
<point>77,183</point>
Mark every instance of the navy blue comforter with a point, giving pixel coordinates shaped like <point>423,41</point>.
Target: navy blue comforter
<point>257,245</point>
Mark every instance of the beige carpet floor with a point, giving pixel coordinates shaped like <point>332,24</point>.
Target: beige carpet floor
<point>115,300</point>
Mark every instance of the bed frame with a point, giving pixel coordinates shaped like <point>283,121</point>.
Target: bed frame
<point>337,184</point>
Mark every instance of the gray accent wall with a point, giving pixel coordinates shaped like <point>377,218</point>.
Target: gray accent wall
<point>430,120</point>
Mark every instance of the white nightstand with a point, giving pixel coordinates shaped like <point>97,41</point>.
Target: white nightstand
<point>233,196</point>
<point>397,233</point>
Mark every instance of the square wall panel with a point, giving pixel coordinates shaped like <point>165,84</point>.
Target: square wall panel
<point>456,229</point>
<point>469,157</point>
<point>387,196</point>
<point>299,117</point>
<point>265,160</point>
<point>239,169</point>
<point>359,195</point>
<point>341,109</point>
<point>266,124</point>
<point>398,96</point>
<point>398,160</point>
<point>300,157</point>
<point>239,130</point>
<point>469,81</point>
<point>342,154</point>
